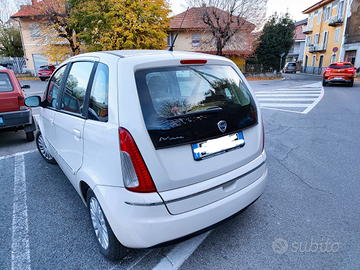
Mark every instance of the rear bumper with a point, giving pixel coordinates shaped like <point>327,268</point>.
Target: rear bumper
<point>15,119</point>
<point>150,224</point>
<point>347,80</point>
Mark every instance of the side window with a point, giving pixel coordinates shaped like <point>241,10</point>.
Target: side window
<point>98,103</point>
<point>75,87</point>
<point>54,86</point>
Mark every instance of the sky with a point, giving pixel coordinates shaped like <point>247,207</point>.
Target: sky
<point>295,7</point>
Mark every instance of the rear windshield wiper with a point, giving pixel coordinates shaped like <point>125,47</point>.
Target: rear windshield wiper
<point>208,111</point>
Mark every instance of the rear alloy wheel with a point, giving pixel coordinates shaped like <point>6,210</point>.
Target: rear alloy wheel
<point>30,136</point>
<point>109,246</point>
<point>40,143</point>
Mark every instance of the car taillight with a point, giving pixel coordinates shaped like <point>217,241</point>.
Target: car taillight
<point>350,70</point>
<point>135,174</point>
<point>328,70</point>
<point>21,103</point>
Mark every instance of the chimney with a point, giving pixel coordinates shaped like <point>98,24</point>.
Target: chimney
<point>203,5</point>
<point>33,2</point>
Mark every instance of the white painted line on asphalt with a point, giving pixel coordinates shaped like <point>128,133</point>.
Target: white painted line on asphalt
<point>176,257</point>
<point>18,154</point>
<point>284,105</point>
<point>310,100</point>
<point>20,247</point>
<point>315,102</point>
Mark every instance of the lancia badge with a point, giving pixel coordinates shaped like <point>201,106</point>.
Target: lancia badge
<point>222,125</point>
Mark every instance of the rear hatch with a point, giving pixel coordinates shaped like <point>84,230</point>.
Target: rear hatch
<point>8,96</point>
<point>203,123</point>
<point>45,71</point>
<point>341,71</point>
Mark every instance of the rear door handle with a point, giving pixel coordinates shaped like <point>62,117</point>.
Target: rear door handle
<point>52,121</point>
<point>77,133</point>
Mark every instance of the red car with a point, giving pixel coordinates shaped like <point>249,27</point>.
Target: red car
<point>14,115</point>
<point>46,71</point>
<point>340,72</point>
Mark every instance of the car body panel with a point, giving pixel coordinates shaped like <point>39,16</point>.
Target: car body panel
<point>340,72</point>
<point>191,195</point>
<point>12,116</point>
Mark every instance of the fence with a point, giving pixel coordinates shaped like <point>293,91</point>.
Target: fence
<point>17,64</point>
<point>257,70</point>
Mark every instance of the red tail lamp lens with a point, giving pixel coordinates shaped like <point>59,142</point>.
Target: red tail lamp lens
<point>144,182</point>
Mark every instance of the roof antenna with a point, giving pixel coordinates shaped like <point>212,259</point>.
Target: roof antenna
<point>172,44</point>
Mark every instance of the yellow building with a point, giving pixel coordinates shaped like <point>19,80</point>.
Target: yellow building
<point>325,32</point>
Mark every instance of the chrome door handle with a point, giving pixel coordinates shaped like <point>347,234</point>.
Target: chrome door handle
<point>52,121</point>
<point>77,133</point>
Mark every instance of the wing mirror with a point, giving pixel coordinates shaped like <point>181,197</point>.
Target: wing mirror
<point>33,101</point>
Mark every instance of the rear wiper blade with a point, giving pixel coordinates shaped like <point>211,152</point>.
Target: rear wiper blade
<point>208,111</point>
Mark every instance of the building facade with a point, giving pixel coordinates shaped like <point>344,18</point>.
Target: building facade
<point>350,51</point>
<point>296,53</point>
<point>324,34</point>
<point>194,35</point>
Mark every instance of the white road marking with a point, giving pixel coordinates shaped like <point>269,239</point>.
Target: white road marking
<point>299,99</point>
<point>20,248</point>
<point>176,257</point>
<point>18,154</point>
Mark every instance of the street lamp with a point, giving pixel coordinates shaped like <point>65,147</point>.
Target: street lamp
<point>281,56</point>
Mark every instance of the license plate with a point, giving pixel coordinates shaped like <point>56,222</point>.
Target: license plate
<point>211,148</point>
<point>1,120</point>
<point>338,78</point>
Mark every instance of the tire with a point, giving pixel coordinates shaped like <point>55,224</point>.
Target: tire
<point>109,246</point>
<point>43,79</point>
<point>351,84</point>
<point>324,83</point>
<point>30,136</point>
<point>40,143</point>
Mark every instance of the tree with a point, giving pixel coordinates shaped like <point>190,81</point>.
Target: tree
<point>121,24</point>
<point>226,18</point>
<point>277,37</point>
<point>55,18</point>
<point>10,41</point>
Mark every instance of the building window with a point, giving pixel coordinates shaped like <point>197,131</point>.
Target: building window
<point>316,38</point>
<point>327,13</point>
<point>308,41</point>
<point>196,40</point>
<point>34,30</point>
<point>325,39</point>
<point>319,17</point>
<point>337,35</point>
<point>333,58</point>
<point>170,39</point>
<point>340,10</point>
<point>313,60</point>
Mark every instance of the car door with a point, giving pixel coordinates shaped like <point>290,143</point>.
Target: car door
<point>48,113</point>
<point>69,120</point>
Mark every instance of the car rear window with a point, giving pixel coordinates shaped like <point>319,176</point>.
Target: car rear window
<point>291,64</point>
<point>44,67</point>
<point>5,83</point>
<point>340,66</point>
<point>185,104</point>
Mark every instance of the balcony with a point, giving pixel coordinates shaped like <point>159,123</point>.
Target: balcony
<point>307,29</point>
<point>317,48</point>
<point>336,20</point>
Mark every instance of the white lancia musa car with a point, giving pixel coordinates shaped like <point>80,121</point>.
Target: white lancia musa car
<point>160,145</point>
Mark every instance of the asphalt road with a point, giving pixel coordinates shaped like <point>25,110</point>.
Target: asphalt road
<point>307,218</point>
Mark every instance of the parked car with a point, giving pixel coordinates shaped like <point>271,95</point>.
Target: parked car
<point>290,67</point>
<point>160,145</point>
<point>46,71</point>
<point>340,72</point>
<point>14,115</point>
